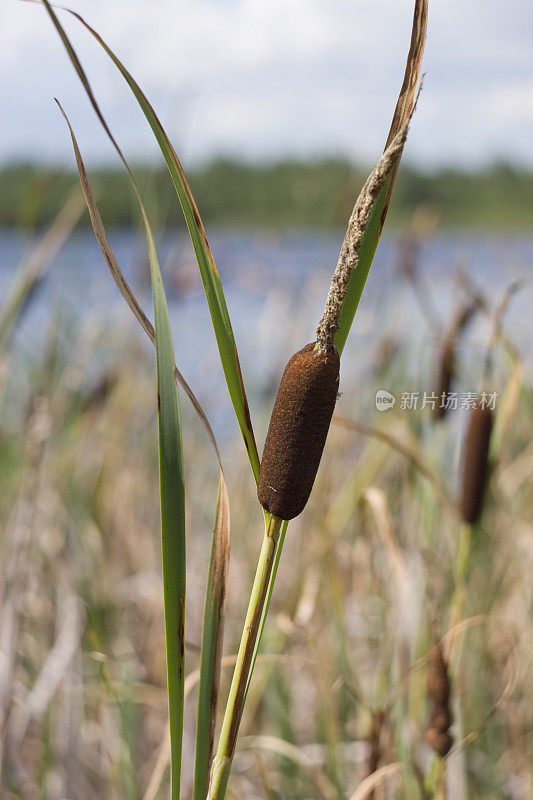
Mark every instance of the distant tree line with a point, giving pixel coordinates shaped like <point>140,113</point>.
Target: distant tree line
<point>288,193</point>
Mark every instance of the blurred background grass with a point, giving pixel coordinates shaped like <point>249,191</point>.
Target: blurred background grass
<point>377,567</point>
<point>371,571</point>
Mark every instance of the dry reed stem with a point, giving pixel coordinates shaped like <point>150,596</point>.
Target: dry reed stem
<point>405,449</point>
<point>367,786</point>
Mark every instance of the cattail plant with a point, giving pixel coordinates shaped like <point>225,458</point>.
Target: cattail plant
<point>307,393</point>
<point>308,390</point>
<point>298,427</point>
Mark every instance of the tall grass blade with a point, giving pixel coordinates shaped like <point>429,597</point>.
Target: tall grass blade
<point>211,653</point>
<point>172,490</point>
<point>209,273</point>
<point>172,497</point>
<point>402,113</point>
<point>217,576</point>
<point>99,229</point>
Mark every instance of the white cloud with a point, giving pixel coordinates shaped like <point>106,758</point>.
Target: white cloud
<point>266,77</point>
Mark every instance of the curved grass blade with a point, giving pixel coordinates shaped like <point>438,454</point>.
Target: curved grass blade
<point>402,114</point>
<point>210,277</point>
<point>217,576</point>
<point>99,229</point>
<point>211,653</point>
<point>172,490</point>
<point>172,494</point>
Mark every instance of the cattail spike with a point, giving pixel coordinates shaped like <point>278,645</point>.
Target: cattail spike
<point>298,429</point>
<point>476,463</point>
<point>446,370</point>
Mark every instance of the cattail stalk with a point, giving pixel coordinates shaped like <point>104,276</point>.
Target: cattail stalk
<point>221,767</point>
<point>303,409</point>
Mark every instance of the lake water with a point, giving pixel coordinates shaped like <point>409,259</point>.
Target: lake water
<point>275,287</point>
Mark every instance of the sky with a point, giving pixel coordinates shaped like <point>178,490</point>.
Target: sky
<point>265,79</point>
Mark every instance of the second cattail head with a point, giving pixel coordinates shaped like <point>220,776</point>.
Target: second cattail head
<point>298,429</point>
<point>438,687</point>
<point>446,370</point>
<point>475,463</point>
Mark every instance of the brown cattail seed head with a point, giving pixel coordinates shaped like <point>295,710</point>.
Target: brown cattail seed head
<point>437,682</point>
<point>440,718</point>
<point>446,369</point>
<point>298,429</point>
<point>476,463</point>
<point>438,686</point>
<point>439,741</point>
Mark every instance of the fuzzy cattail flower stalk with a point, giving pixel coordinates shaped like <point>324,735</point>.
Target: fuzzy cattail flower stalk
<point>476,463</point>
<point>349,254</point>
<point>308,390</point>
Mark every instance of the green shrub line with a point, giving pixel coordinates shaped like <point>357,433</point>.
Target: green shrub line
<point>286,194</point>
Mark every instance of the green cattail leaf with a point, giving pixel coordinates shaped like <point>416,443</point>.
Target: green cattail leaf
<point>211,653</point>
<point>210,277</point>
<point>171,478</point>
<point>172,497</point>
<point>359,275</point>
<point>99,230</point>
<point>172,487</point>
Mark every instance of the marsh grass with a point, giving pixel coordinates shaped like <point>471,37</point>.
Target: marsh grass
<point>351,621</point>
<point>396,577</point>
<point>357,252</point>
